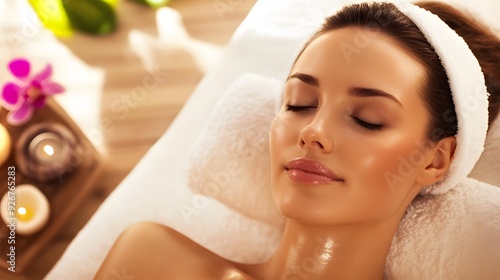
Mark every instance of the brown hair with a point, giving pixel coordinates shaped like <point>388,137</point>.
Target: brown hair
<point>481,40</point>
<point>387,19</point>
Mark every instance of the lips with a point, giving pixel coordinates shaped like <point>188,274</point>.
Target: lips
<point>310,172</point>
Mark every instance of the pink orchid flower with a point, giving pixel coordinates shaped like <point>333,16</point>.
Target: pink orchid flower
<point>27,94</point>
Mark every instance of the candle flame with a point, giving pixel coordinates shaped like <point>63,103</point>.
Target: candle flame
<point>24,214</point>
<point>48,150</point>
<point>21,210</point>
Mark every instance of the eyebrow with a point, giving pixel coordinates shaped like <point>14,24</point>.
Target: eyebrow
<point>306,78</point>
<point>370,92</point>
<point>354,91</point>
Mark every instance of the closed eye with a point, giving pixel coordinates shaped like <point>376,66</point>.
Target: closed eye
<point>294,108</point>
<point>367,125</point>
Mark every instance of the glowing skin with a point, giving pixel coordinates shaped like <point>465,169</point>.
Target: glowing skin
<point>348,157</point>
<point>328,131</point>
<point>380,166</point>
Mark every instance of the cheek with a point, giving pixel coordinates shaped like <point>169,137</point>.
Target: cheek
<point>389,163</point>
<point>380,176</point>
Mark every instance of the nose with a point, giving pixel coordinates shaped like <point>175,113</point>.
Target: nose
<point>317,135</point>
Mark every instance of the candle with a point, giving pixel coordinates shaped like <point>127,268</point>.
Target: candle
<point>46,151</point>
<point>31,209</point>
<point>5,144</point>
<point>46,148</point>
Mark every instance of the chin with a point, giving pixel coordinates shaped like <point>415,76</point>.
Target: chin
<point>296,205</point>
<point>318,208</point>
<point>299,216</point>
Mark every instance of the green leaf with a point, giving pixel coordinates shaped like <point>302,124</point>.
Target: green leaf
<point>91,16</point>
<point>112,3</point>
<point>52,15</point>
<point>153,3</point>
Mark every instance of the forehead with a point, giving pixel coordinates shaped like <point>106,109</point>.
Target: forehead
<point>355,55</point>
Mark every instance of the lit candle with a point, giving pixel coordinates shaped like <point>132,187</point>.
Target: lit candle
<point>45,148</point>
<point>5,144</point>
<point>46,151</point>
<point>31,209</point>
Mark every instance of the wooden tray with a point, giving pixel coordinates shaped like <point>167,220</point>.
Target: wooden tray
<point>64,195</point>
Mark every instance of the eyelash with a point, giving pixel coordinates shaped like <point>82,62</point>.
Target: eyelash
<point>369,126</point>
<point>293,108</point>
<point>366,125</point>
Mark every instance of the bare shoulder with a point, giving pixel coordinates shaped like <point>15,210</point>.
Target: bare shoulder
<point>187,259</point>
<point>181,245</point>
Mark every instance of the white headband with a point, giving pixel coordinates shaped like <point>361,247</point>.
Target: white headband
<point>225,141</point>
<point>468,89</point>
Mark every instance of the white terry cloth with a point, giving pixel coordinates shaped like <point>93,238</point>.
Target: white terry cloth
<point>470,209</point>
<point>146,196</point>
<point>266,44</point>
<point>451,236</point>
<point>230,160</point>
<point>442,236</point>
<point>468,88</point>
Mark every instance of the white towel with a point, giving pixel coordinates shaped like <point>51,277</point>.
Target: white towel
<point>451,236</point>
<point>163,188</point>
<point>230,160</point>
<point>442,236</point>
<point>467,87</point>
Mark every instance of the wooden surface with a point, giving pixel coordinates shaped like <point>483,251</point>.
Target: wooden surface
<point>65,193</point>
<point>132,136</point>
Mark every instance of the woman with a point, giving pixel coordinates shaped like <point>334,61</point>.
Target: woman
<point>352,110</point>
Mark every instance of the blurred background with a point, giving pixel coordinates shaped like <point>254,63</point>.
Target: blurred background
<point>128,67</point>
<point>122,47</point>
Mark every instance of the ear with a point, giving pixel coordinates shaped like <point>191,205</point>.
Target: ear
<point>439,159</point>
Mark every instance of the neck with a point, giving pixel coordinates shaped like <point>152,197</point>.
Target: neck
<point>341,252</point>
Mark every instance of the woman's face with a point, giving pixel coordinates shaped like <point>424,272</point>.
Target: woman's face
<point>346,144</point>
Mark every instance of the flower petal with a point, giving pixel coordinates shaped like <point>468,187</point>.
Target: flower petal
<point>11,95</point>
<point>20,68</point>
<point>21,115</point>
<point>52,88</point>
<point>44,75</point>
<point>39,102</point>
